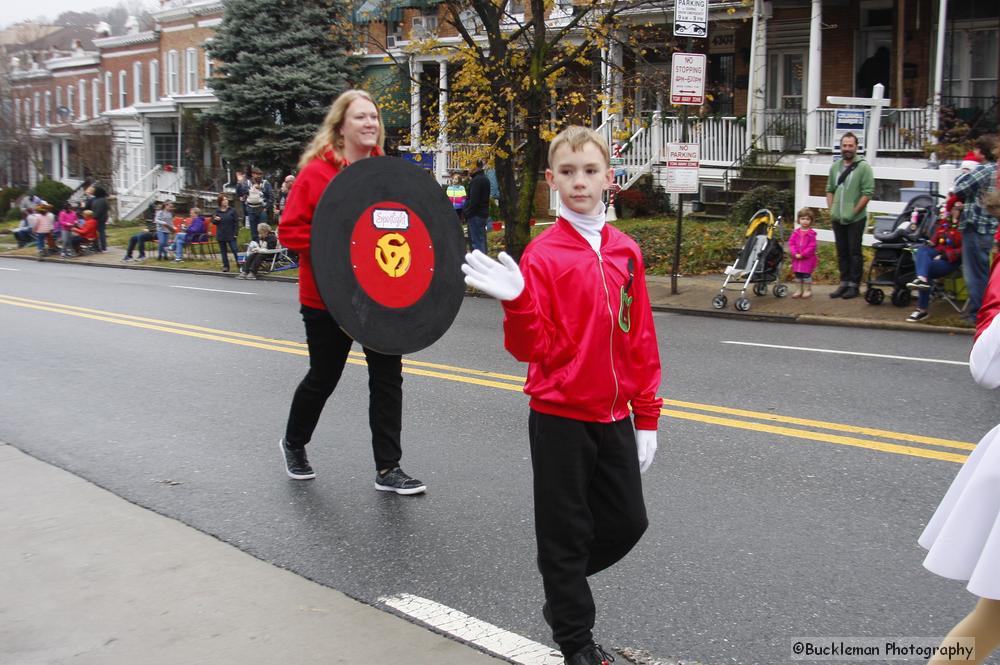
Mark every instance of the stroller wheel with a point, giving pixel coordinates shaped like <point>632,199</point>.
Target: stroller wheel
<point>742,304</point>
<point>780,290</point>
<point>760,289</point>
<point>719,301</point>
<point>901,297</point>
<point>874,296</point>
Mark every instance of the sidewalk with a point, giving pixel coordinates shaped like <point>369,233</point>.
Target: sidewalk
<point>694,297</point>
<point>93,579</point>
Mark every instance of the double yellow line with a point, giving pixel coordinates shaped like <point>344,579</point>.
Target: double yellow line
<point>887,441</point>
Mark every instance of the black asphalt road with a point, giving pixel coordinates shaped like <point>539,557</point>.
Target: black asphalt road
<point>755,537</point>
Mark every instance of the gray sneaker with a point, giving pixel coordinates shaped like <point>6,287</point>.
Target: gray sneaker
<point>398,481</point>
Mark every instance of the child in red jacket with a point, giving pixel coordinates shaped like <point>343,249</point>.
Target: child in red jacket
<point>578,312</point>
<point>86,233</point>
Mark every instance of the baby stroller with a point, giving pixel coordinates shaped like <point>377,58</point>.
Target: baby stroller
<point>758,263</point>
<point>895,240</point>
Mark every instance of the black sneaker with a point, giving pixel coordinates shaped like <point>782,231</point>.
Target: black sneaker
<point>396,480</point>
<point>917,315</point>
<point>839,291</point>
<point>850,292</point>
<point>592,654</point>
<point>296,462</point>
<point>919,284</point>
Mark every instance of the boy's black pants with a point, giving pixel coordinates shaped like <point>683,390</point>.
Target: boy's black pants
<point>589,513</point>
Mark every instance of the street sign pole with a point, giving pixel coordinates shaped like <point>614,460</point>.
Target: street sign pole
<point>676,266</point>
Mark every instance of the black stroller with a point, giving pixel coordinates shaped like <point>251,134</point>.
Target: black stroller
<point>759,262</point>
<point>895,241</point>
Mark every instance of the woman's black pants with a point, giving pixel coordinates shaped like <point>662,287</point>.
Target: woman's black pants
<point>328,350</point>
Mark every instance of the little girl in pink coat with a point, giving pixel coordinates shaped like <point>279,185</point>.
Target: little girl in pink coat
<point>802,247</point>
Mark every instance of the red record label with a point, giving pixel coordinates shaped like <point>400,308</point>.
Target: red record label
<point>392,254</point>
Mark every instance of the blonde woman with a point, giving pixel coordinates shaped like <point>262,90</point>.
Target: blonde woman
<point>352,130</point>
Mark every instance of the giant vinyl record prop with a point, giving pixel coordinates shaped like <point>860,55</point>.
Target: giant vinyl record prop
<point>387,251</point>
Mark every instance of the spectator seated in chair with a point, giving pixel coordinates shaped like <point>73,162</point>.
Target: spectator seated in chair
<point>196,231</point>
<point>257,251</point>
<point>140,239</point>
<point>85,235</point>
<point>941,256</point>
<point>24,233</point>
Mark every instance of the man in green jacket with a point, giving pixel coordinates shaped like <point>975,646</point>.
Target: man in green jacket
<point>848,191</point>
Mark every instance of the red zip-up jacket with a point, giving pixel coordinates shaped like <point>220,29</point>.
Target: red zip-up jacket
<point>566,325</point>
<point>295,227</point>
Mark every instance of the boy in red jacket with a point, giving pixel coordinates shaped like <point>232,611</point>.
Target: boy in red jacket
<point>577,311</point>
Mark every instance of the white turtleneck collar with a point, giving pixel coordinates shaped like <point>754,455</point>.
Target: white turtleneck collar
<point>589,226</point>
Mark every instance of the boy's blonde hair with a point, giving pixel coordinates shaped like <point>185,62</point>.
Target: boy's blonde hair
<point>263,229</point>
<point>576,137</point>
<point>806,212</point>
<point>195,212</point>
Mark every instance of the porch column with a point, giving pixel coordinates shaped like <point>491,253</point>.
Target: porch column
<point>441,164</point>
<point>64,159</point>
<point>757,80</point>
<point>815,72</point>
<point>415,70</point>
<point>938,68</point>
<point>54,171</point>
<point>615,64</point>
<point>605,86</point>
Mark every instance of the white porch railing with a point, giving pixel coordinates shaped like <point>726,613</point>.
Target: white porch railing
<point>156,184</point>
<point>460,156</point>
<point>901,130</point>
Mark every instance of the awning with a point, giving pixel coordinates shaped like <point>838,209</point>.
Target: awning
<point>366,11</point>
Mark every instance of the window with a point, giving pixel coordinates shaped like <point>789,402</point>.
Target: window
<point>70,101</point>
<point>190,70</point>
<point>59,103</point>
<point>48,108</point>
<point>107,91</point>
<point>136,82</point>
<point>208,67</point>
<point>164,148</point>
<point>83,99</point>
<point>36,111</point>
<point>17,112</point>
<point>122,89</point>
<point>95,96</point>
<point>785,75</point>
<point>154,80</point>
<point>970,72</point>
<point>173,76</point>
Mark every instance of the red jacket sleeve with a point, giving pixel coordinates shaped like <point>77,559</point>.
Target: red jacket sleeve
<point>646,358</point>
<point>528,327</point>
<point>991,301</point>
<point>295,227</point>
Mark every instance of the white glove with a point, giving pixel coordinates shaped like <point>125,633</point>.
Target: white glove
<point>645,443</point>
<point>502,280</point>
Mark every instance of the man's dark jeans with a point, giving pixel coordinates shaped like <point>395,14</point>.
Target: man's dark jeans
<point>849,258</point>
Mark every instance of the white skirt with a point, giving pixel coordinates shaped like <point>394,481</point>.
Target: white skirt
<point>963,537</point>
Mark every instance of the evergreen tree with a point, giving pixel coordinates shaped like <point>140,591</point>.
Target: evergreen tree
<point>280,65</point>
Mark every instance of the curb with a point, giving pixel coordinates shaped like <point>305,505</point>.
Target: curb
<point>143,266</point>
<point>811,319</point>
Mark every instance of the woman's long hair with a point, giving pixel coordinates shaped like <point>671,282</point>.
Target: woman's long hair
<point>328,136</point>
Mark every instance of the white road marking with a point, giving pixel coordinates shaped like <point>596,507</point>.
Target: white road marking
<point>12,269</point>
<point>851,353</point>
<point>196,288</point>
<point>496,640</point>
